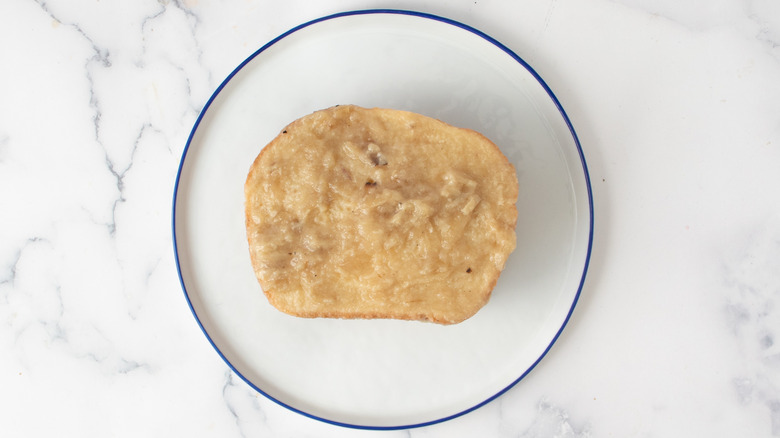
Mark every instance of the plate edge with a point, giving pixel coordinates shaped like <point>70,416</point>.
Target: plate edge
<point>418,14</point>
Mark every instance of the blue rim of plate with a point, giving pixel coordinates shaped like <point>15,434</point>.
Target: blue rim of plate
<point>425,16</point>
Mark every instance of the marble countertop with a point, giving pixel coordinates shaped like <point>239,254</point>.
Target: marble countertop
<point>677,106</point>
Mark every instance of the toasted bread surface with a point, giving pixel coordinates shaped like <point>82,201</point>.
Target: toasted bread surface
<point>379,213</point>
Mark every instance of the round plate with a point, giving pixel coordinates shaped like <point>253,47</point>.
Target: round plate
<point>384,374</point>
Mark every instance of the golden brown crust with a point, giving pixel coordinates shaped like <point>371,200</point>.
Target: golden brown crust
<point>375,213</point>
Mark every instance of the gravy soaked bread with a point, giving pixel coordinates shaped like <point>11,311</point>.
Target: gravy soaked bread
<point>379,213</point>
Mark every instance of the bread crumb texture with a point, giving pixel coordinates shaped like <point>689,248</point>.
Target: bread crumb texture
<point>379,213</point>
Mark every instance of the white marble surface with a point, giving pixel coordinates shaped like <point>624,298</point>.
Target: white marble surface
<point>677,105</point>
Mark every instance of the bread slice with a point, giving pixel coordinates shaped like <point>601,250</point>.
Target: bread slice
<point>379,213</point>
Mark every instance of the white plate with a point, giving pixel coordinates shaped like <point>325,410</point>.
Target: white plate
<point>384,374</point>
